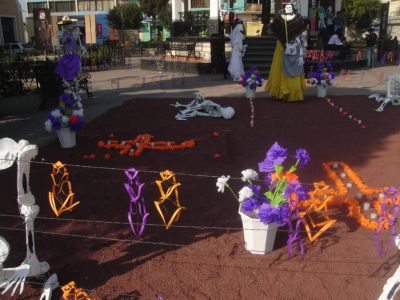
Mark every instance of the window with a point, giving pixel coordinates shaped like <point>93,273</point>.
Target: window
<point>89,5</point>
<point>104,4</point>
<point>62,6</point>
<point>33,5</point>
<point>200,4</point>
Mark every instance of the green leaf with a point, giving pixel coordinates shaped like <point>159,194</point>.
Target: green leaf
<point>269,195</point>
<point>292,169</point>
<point>279,199</point>
<point>278,169</point>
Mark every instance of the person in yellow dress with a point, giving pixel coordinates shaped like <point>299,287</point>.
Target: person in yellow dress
<point>286,77</point>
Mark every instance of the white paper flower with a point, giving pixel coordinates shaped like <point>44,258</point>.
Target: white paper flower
<point>249,174</point>
<point>245,193</point>
<point>48,126</point>
<point>65,119</point>
<point>56,113</point>
<point>221,183</point>
<point>78,112</point>
<point>79,104</point>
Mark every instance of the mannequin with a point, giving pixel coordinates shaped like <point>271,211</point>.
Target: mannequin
<point>286,77</point>
<point>235,67</point>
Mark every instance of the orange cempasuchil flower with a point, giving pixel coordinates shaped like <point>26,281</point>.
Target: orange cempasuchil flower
<point>290,177</point>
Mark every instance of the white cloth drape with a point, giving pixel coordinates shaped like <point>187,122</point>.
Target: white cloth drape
<point>235,67</point>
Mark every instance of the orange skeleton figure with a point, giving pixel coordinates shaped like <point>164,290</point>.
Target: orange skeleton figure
<point>171,196</point>
<point>136,146</point>
<point>323,196</point>
<point>71,292</point>
<point>61,192</point>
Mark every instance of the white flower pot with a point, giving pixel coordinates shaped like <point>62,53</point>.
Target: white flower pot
<point>258,237</point>
<point>250,93</point>
<point>67,137</point>
<point>322,90</point>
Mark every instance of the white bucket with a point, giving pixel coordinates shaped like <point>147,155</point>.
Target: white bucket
<point>67,137</point>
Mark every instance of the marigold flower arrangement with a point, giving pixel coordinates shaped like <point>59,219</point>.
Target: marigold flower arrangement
<point>251,78</point>
<point>68,114</point>
<point>323,75</point>
<point>281,188</point>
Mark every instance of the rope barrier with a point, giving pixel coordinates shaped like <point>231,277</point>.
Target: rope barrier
<point>181,226</point>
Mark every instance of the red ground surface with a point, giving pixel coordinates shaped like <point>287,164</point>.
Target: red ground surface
<point>210,263</point>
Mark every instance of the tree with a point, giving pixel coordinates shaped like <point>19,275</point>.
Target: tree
<point>165,16</point>
<point>153,7</point>
<point>361,13</point>
<point>125,16</point>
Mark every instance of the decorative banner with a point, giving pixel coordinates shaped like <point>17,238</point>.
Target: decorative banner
<point>137,215</point>
<point>61,197</point>
<point>143,141</point>
<point>170,196</point>
<point>71,291</point>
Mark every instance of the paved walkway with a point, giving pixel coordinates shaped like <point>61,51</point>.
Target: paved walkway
<point>19,117</point>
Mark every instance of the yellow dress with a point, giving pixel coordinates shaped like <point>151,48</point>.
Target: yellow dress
<point>279,85</point>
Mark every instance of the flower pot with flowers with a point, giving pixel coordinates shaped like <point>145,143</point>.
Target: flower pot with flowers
<point>66,119</point>
<point>322,78</point>
<point>251,80</point>
<point>263,208</point>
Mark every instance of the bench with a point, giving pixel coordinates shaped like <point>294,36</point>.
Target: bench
<point>84,79</point>
<point>184,45</point>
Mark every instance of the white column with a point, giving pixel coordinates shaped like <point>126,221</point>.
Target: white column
<point>338,5</point>
<point>214,9</point>
<point>177,7</point>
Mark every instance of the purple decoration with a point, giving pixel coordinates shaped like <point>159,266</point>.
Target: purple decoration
<point>388,213</point>
<point>274,214</point>
<point>69,66</point>
<point>276,155</point>
<point>303,157</point>
<point>137,215</point>
<point>68,41</point>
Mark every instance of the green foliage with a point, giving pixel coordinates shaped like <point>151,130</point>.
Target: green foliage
<point>125,16</point>
<point>361,13</point>
<point>165,16</point>
<point>153,8</point>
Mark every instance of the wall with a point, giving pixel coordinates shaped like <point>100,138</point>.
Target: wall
<point>8,8</point>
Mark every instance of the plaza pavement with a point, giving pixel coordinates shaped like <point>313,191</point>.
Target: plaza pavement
<point>20,118</point>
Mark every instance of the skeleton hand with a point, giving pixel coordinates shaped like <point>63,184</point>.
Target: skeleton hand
<point>300,61</point>
<point>17,279</point>
<point>50,285</point>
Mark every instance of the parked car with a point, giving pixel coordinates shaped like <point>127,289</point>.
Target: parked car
<point>16,48</point>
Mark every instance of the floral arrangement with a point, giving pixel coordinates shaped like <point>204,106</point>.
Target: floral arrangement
<point>68,114</point>
<point>251,78</point>
<point>319,55</point>
<point>323,75</point>
<point>272,203</point>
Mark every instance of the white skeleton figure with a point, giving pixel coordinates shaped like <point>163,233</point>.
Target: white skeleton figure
<point>392,92</point>
<point>23,152</point>
<point>203,107</point>
<point>393,283</point>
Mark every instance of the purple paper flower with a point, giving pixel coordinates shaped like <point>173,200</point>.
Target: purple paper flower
<point>303,157</point>
<point>66,100</point>
<point>250,204</point>
<point>298,189</point>
<point>69,66</point>
<point>391,192</point>
<point>276,155</point>
<point>274,214</point>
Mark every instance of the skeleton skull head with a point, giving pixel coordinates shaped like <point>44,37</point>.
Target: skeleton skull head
<point>4,250</point>
<point>288,9</point>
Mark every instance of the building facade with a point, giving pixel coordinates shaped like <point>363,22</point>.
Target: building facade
<point>247,10</point>
<point>394,18</point>
<point>11,24</point>
<point>86,11</point>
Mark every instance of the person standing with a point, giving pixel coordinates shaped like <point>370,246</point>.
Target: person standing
<point>370,39</point>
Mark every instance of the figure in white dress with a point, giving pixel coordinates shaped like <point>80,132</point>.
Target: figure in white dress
<point>235,67</point>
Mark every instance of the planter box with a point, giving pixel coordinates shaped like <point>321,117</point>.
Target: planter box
<point>66,137</point>
<point>258,237</point>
